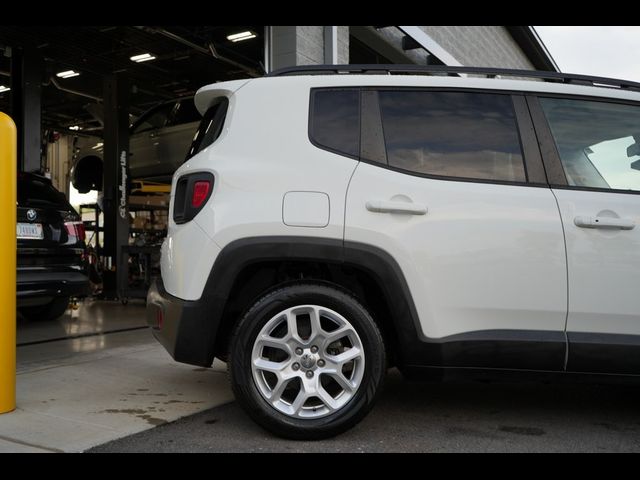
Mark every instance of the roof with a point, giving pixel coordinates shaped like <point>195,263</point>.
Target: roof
<point>324,79</point>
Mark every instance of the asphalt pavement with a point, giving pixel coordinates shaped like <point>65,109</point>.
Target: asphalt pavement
<point>432,417</point>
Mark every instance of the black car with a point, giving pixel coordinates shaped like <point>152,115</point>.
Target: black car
<point>51,259</point>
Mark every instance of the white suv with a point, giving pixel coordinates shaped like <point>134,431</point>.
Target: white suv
<point>333,221</point>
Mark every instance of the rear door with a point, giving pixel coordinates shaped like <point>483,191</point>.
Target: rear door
<point>592,152</point>
<point>444,189</point>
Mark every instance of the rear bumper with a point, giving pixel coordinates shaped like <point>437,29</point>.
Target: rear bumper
<point>40,287</point>
<point>179,325</point>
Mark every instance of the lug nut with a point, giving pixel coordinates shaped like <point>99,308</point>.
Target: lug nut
<point>321,363</point>
<point>314,349</point>
<point>309,374</point>
<point>298,351</point>
<point>296,366</point>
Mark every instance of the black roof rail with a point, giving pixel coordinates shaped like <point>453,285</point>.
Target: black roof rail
<point>396,69</point>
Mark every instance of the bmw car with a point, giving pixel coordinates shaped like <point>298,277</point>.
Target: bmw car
<point>51,263</point>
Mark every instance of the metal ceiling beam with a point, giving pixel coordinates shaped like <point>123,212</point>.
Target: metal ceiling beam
<point>430,45</point>
<point>210,52</point>
<point>55,83</point>
<point>176,38</point>
<point>250,71</point>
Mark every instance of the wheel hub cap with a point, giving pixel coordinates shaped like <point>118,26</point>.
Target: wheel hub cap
<point>308,361</point>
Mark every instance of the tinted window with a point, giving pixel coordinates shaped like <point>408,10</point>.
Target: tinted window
<point>210,127</point>
<point>452,134</point>
<point>153,119</point>
<point>186,112</point>
<point>34,191</point>
<point>335,120</point>
<point>598,142</point>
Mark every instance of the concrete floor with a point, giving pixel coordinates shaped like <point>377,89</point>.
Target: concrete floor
<point>96,375</point>
<point>456,417</point>
<point>97,378</point>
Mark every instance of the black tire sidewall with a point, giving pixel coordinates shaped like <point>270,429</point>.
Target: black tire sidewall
<point>52,310</point>
<point>252,323</point>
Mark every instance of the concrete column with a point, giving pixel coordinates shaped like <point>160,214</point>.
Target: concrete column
<point>283,47</point>
<point>343,45</point>
<point>26,93</point>
<point>116,182</point>
<point>308,45</point>
<point>331,45</point>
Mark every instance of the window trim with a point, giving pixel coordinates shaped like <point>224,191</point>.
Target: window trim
<point>523,140</point>
<point>311,117</point>
<point>548,148</point>
<point>371,129</point>
<point>532,157</point>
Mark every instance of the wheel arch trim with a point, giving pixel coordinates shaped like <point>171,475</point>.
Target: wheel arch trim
<point>240,254</point>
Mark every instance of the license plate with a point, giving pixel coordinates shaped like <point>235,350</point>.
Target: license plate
<point>30,230</point>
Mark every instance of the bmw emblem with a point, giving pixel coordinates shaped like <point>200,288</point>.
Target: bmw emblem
<point>31,214</point>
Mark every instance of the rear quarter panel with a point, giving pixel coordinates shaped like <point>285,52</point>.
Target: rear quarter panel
<point>262,153</point>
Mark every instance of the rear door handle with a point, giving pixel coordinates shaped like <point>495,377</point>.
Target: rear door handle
<point>604,222</point>
<point>384,206</point>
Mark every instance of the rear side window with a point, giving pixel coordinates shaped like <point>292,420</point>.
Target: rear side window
<point>335,120</point>
<point>210,127</point>
<point>452,134</point>
<point>598,142</point>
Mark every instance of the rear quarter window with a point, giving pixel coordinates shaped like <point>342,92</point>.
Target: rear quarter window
<point>335,120</point>
<point>210,126</point>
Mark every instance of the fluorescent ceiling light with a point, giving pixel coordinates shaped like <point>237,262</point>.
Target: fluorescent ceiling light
<point>97,145</point>
<point>4,89</point>
<point>238,37</point>
<point>67,74</point>
<point>144,57</point>
<point>75,127</point>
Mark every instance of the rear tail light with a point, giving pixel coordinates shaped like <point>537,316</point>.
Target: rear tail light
<point>75,231</point>
<point>200,192</point>
<point>192,192</point>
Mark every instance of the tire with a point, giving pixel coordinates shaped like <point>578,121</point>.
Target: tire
<point>50,311</point>
<point>273,392</point>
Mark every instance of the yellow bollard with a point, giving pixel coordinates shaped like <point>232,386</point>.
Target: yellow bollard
<point>8,179</point>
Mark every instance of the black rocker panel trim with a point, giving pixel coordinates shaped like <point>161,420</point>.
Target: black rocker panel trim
<point>604,353</point>
<point>515,349</point>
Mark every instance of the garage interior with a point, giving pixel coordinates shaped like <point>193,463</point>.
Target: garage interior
<point>95,373</point>
<point>80,93</point>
